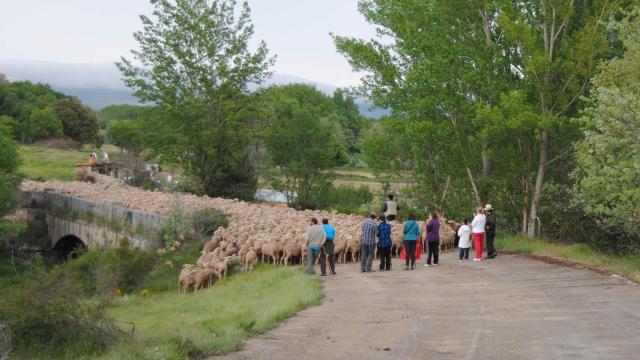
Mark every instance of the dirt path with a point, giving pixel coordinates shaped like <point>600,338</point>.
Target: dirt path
<point>507,308</point>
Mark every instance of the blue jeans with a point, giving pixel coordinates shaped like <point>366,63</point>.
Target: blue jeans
<point>366,257</point>
<point>312,255</point>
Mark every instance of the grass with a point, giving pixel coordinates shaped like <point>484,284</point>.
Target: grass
<point>625,265</point>
<point>44,163</point>
<point>170,325</point>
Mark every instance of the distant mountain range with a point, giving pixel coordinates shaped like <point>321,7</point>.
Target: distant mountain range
<point>99,85</point>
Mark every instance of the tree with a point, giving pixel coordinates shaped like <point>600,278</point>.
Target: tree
<point>3,79</point>
<point>78,121</point>
<point>300,144</point>
<point>41,124</point>
<point>122,112</point>
<point>127,134</point>
<point>454,71</point>
<point>9,179</point>
<point>607,177</point>
<point>195,65</point>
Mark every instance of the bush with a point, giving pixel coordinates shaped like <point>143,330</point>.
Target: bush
<point>102,271</point>
<point>48,312</point>
<point>204,222</point>
<point>343,199</point>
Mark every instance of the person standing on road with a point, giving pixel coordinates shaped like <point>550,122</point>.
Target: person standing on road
<point>411,232</point>
<point>369,230</point>
<point>390,209</point>
<point>384,244</point>
<point>433,238</point>
<point>314,238</point>
<point>330,233</point>
<point>464,233</point>
<point>477,232</point>
<point>490,231</point>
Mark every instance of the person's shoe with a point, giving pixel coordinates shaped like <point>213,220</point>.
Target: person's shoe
<point>460,260</point>
<point>427,265</point>
<point>475,259</point>
<point>435,264</point>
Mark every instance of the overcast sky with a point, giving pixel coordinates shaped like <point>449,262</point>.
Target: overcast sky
<point>100,31</point>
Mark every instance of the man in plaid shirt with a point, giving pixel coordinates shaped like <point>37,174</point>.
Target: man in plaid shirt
<point>369,229</point>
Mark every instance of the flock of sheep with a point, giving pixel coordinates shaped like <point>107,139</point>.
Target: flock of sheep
<point>256,232</point>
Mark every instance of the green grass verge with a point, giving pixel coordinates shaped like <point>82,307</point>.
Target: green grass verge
<point>170,325</point>
<point>625,265</point>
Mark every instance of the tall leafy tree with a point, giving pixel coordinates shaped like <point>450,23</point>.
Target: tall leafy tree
<point>462,73</point>
<point>194,63</point>
<point>9,179</point>
<point>300,145</point>
<point>608,173</point>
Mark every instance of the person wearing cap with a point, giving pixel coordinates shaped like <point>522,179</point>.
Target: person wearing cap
<point>490,231</point>
<point>330,233</point>
<point>477,231</point>
<point>390,209</point>
<point>314,238</point>
<point>384,244</point>
<point>369,230</point>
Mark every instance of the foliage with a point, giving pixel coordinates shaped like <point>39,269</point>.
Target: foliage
<point>47,312</point>
<point>41,124</point>
<point>299,144</point>
<point>9,178</point>
<point>80,123</point>
<point>121,112</point>
<point>344,199</point>
<point>608,175</point>
<point>38,112</point>
<point>204,222</point>
<point>102,271</point>
<point>477,91</point>
<point>195,66</point>
<point>127,134</point>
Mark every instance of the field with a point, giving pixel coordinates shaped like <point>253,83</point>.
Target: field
<point>625,265</point>
<point>44,163</point>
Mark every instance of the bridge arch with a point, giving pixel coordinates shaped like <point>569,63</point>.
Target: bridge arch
<point>67,247</point>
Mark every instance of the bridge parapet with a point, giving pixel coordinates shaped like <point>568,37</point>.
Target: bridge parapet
<point>94,223</point>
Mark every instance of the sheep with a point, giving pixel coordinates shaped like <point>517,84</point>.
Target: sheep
<point>250,259</point>
<point>187,277</point>
<point>221,269</point>
<point>270,250</point>
<point>291,249</point>
<point>203,278</point>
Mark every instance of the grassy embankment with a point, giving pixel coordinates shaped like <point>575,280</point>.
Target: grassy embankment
<point>625,265</point>
<point>170,325</point>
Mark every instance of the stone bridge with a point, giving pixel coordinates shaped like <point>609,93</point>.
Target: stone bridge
<point>60,223</point>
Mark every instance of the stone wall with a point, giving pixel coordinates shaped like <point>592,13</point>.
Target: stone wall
<point>96,224</point>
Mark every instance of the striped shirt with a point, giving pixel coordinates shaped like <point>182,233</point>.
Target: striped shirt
<point>369,229</point>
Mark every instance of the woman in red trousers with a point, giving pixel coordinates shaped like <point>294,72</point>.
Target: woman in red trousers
<point>477,232</point>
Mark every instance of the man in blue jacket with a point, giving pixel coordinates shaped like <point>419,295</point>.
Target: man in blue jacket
<point>328,249</point>
<point>384,244</point>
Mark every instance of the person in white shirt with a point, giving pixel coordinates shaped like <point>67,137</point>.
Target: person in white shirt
<point>477,229</point>
<point>464,232</point>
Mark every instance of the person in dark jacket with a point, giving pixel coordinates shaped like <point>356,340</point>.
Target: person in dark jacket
<point>328,248</point>
<point>433,238</point>
<point>490,231</point>
<point>384,244</point>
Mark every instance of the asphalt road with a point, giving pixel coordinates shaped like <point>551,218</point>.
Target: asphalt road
<point>507,308</point>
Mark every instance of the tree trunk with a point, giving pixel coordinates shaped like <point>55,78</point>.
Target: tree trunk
<point>537,192</point>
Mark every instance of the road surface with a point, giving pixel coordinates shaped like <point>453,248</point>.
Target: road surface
<point>507,308</point>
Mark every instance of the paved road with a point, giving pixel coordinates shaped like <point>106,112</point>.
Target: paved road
<point>507,308</point>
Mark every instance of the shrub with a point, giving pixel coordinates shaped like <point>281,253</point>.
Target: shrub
<point>343,199</point>
<point>204,222</point>
<point>49,312</point>
<point>102,271</point>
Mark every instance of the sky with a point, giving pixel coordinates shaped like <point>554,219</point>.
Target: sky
<point>100,31</point>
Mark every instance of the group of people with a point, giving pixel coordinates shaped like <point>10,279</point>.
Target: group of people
<point>376,232</point>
